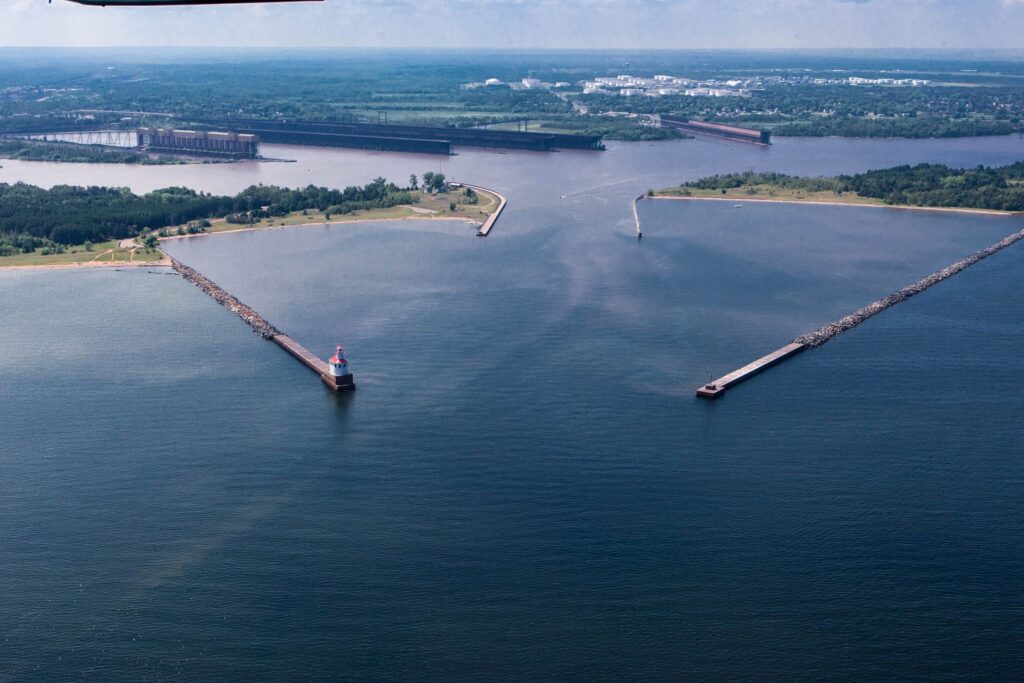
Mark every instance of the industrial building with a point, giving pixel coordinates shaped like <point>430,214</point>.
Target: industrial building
<point>403,138</point>
<point>206,143</point>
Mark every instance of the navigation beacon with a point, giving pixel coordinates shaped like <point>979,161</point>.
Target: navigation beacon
<point>340,377</point>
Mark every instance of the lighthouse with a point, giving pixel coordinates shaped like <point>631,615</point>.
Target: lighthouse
<point>339,377</point>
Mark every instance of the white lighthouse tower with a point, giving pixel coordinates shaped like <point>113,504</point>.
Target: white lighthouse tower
<point>340,376</point>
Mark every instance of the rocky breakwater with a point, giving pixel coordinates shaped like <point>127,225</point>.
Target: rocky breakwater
<point>822,335</point>
<point>251,317</point>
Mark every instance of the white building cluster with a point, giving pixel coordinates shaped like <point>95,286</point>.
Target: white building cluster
<point>659,86</point>
<point>525,84</point>
<point>912,82</point>
<point>851,80</point>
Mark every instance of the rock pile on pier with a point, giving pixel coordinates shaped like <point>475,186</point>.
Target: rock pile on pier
<point>251,317</point>
<point>820,336</point>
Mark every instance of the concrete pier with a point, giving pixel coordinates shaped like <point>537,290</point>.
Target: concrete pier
<point>264,328</point>
<point>636,215</point>
<point>814,339</point>
<point>485,229</point>
<point>300,352</point>
<point>717,387</point>
<point>314,363</point>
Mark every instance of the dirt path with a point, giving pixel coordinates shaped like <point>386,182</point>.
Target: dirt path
<point>92,264</point>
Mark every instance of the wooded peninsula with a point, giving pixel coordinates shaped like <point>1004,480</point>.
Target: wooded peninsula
<point>924,185</point>
<point>40,222</point>
<point>33,150</point>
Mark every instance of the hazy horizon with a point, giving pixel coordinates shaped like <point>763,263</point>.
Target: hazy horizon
<point>530,24</point>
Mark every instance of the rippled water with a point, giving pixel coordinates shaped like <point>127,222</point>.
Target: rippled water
<point>524,486</point>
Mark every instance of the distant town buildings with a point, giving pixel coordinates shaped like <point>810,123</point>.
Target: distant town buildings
<point>913,82</point>
<point>664,85</point>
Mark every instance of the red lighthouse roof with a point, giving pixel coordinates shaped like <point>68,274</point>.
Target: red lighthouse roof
<point>339,356</point>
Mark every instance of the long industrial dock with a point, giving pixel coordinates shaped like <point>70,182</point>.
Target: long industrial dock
<point>718,130</point>
<point>400,137</point>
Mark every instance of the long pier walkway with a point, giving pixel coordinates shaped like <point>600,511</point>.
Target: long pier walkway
<point>260,325</point>
<point>485,229</point>
<point>304,355</point>
<point>718,386</point>
<point>313,362</point>
<point>636,215</point>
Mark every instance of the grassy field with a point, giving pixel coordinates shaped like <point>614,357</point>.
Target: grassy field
<point>770,192</point>
<point>428,206</point>
<point>778,194</point>
<point>104,252</point>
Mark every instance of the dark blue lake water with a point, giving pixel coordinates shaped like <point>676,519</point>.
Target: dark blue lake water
<point>524,487</point>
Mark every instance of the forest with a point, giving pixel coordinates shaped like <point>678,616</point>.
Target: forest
<point>30,150</point>
<point>898,127</point>
<point>933,185</point>
<point>32,217</point>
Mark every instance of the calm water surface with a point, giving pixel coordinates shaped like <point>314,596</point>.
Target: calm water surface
<point>523,487</point>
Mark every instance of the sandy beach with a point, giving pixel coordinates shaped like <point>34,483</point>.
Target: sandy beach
<point>940,209</point>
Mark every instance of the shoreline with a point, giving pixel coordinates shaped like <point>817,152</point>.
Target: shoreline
<point>166,261</point>
<point>163,263</point>
<point>317,223</point>
<point>498,201</point>
<point>484,228</point>
<point>939,209</point>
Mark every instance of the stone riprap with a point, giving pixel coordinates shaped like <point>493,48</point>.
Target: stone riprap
<point>251,317</point>
<point>822,335</point>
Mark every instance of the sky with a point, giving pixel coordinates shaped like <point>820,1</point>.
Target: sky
<point>503,24</point>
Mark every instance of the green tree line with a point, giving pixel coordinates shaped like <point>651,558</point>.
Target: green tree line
<point>74,215</point>
<point>935,185</point>
<point>30,150</point>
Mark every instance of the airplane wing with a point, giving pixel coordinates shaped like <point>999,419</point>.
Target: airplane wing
<point>155,3</point>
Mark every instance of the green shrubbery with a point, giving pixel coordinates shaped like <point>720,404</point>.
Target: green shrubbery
<point>74,215</point>
<point>922,185</point>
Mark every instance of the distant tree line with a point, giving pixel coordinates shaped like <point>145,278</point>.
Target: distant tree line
<point>504,99</point>
<point>31,150</point>
<point>908,127</point>
<point>922,185</point>
<point>31,216</point>
<point>49,95</point>
<point>611,128</point>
